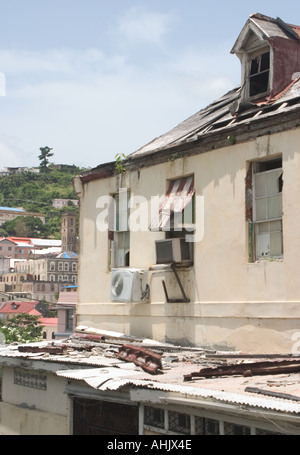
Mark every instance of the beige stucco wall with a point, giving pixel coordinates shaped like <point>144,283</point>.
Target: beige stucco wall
<point>15,420</point>
<point>31,411</point>
<point>252,307</point>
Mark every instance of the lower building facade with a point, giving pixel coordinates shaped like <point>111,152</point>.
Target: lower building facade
<point>67,389</point>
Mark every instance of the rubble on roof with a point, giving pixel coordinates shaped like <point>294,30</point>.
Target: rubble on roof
<point>249,369</point>
<point>111,363</point>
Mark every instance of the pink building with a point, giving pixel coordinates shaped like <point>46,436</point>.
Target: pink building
<point>66,311</point>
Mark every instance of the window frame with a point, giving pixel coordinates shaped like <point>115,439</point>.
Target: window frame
<point>249,77</point>
<point>182,224</point>
<point>119,233</point>
<point>263,242</point>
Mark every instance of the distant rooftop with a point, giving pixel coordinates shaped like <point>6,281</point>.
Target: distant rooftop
<point>12,209</point>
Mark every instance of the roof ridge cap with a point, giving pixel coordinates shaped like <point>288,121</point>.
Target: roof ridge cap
<point>262,16</point>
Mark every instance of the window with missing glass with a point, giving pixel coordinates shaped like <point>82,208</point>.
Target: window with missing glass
<point>259,74</point>
<point>119,235</point>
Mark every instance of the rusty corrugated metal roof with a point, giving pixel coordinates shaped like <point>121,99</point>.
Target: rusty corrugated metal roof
<point>98,365</point>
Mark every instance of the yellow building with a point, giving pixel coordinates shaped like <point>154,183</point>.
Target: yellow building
<point>232,170</point>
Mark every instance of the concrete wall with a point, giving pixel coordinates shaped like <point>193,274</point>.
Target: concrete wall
<point>27,410</point>
<point>234,304</point>
<point>15,420</point>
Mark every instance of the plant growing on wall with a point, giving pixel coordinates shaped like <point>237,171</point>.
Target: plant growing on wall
<point>120,167</point>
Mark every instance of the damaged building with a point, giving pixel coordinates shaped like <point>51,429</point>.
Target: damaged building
<point>193,237</point>
<point>190,325</point>
<point>107,383</point>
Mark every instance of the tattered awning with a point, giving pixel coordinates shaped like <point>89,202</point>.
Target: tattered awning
<point>177,197</point>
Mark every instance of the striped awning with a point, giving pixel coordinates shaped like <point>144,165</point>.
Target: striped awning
<point>179,194</point>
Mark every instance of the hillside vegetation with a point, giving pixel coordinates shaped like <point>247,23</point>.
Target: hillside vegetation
<point>35,193</point>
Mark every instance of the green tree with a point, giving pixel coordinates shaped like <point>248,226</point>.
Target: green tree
<point>43,157</point>
<point>27,226</point>
<point>22,328</point>
<point>34,192</point>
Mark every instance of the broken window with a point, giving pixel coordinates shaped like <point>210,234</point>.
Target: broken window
<point>119,235</point>
<point>265,224</point>
<point>258,75</point>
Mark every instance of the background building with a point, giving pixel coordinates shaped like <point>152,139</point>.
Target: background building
<point>9,214</point>
<point>69,235</point>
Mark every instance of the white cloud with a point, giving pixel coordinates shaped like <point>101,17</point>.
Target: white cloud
<point>10,153</point>
<point>141,26</point>
<point>89,105</point>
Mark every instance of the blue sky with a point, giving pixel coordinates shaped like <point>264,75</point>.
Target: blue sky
<point>93,78</point>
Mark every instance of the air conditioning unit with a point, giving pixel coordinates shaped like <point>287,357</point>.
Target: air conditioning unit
<point>174,251</point>
<point>128,285</point>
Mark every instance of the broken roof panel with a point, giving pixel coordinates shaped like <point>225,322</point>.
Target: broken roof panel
<point>98,365</point>
<point>226,390</point>
<point>197,123</point>
<point>223,114</point>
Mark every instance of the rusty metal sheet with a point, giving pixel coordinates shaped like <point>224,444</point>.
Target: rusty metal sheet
<point>284,396</point>
<point>148,360</point>
<point>42,349</point>
<point>88,337</point>
<point>248,369</point>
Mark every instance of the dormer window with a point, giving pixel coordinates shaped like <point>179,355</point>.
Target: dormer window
<point>259,74</point>
<point>269,52</point>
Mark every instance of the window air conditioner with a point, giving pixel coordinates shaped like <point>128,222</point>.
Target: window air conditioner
<point>175,250</point>
<point>128,285</point>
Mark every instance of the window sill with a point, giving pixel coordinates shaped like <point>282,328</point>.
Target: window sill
<point>266,260</point>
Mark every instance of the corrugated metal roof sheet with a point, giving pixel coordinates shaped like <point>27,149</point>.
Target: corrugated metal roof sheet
<point>100,369</point>
<point>116,378</point>
<point>100,378</point>
<point>45,242</point>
